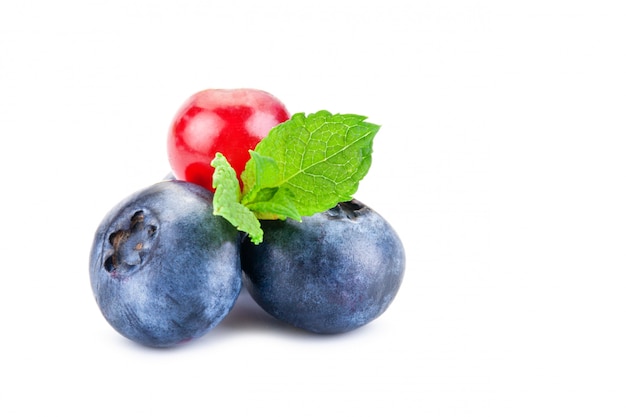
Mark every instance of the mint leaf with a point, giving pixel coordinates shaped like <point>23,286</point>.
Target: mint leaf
<point>304,166</point>
<point>308,164</point>
<point>226,201</point>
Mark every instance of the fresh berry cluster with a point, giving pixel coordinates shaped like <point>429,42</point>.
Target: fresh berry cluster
<point>257,198</point>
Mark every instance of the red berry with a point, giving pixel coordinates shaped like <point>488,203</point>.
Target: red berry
<point>231,122</point>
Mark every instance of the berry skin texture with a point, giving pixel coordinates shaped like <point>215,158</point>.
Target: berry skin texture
<point>332,273</point>
<point>163,268</point>
<point>228,121</point>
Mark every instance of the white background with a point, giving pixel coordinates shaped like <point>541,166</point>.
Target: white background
<point>500,163</point>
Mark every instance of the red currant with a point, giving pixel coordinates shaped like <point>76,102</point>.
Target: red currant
<point>231,122</point>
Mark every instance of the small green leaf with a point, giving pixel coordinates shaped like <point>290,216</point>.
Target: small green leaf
<point>226,201</point>
<point>308,164</point>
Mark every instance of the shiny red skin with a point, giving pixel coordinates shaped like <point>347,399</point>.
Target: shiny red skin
<point>231,122</point>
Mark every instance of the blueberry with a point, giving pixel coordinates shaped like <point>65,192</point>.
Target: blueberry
<point>163,268</point>
<point>169,176</point>
<point>332,273</point>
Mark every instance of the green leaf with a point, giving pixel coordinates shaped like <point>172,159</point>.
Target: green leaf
<point>304,166</point>
<point>308,164</point>
<point>226,201</point>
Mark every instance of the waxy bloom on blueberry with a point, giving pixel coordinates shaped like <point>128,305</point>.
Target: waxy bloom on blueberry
<point>332,273</point>
<point>163,268</point>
